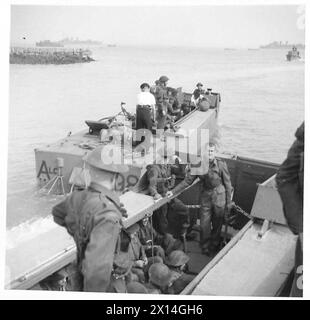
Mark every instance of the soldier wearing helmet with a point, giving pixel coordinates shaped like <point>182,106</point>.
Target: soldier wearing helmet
<point>177,262</point>
<point>215,200</point>
<point>135,250</point>
<point>121,273</point>
<point>155,243</point>
<point>161,178</point>
<point>161,90</point>
<point>93,218</point>
<point>160,278</point>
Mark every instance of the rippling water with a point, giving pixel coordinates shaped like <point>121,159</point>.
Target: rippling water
<point>262,102</point>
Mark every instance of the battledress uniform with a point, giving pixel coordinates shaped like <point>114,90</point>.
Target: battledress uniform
<point>215,195</point>
<point>93,218</point>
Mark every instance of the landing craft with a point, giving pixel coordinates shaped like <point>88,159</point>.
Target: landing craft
<point>259,252</point>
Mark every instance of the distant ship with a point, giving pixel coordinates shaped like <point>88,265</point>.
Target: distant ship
<point>48,43</point>
<point>71,41</point>
<point>281,45</point>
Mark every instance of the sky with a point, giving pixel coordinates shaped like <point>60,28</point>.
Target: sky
<point>201,26</point>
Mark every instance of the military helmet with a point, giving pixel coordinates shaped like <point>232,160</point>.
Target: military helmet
<point>136,287</point>
<point>96,160</point>
<point>151,261</point>
<point>163,79</point>
<point>204,105</point>
<point>160,274</point>
<point>121,264</point>
<point>177,258</point>
<point>199,84</point>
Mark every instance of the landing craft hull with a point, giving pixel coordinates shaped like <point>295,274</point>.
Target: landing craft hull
<point>32,259</point>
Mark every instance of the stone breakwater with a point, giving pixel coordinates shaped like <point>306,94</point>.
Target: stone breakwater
<point>49,56</point>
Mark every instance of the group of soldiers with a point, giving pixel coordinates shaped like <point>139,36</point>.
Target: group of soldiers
<point>147,257</point>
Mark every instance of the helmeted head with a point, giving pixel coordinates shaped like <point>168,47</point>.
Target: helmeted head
<point>136,287</point>
<point>199,85</point>
<point>204,104</point>
<point>151,261</point>
<point>105,164</point>
<point>122,264</point>
<point>163,80</point>
<point>160,275</point>
<point>177,259</point>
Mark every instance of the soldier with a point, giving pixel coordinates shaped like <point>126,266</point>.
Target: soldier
<point>93,218</point>
<point>290,183</point>
<point>161,90</point>
<point>177,262</point>
<point>215,200</point>
<point>164,112</point>
<point>160,278</point>
<point>161,178</point>
<point>155,243</point>
<point>121,273</point>
<point>136,252</point>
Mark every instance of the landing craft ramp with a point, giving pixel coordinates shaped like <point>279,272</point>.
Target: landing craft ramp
<point>258,260</point>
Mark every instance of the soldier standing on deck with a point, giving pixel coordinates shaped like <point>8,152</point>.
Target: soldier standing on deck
<point>93,218</point>
<point>290,183</point>
<point>215,198</point>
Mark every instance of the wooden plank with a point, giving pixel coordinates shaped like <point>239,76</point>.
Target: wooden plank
<point>253,266</point>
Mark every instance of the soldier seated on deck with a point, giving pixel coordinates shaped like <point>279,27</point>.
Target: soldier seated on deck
<point>177,262</point>
<point>155,243</point>
<point>161,178</point>
<point>135,251</point>
<point>160,278</point>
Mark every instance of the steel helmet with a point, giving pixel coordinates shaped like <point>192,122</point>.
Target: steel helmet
<point>204,105</point>
<point>96,159</point>
<point>163,79</point>
<point>122,264</point>
<point>151,261</point>
<point>177,258</point>
<point>160,274</point>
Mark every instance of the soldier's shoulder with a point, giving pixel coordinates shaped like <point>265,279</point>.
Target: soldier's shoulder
<point>105,209</point>
<point>221,163</point>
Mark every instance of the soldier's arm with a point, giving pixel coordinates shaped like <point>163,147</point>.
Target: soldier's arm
<point>99,255</point>
<point>187,181</point>
<point>226,182</point>
<point>59,213</point>
<point>152,175</point>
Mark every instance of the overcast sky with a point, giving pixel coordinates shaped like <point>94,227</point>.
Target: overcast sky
<point>206,26</point>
